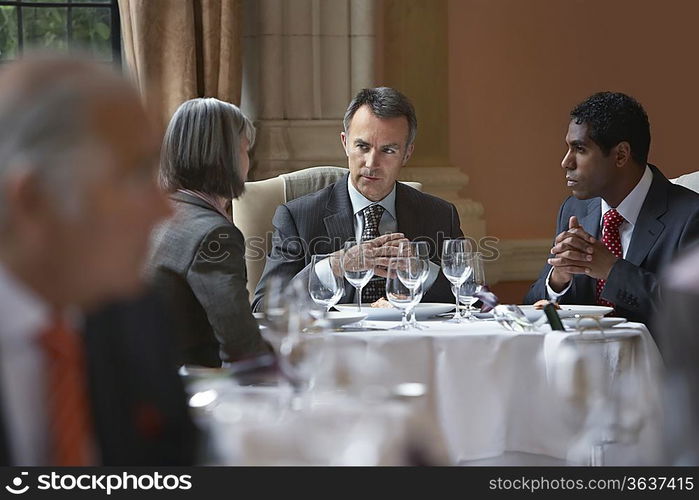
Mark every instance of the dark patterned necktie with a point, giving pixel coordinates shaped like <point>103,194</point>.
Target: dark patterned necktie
<point>612,240</point>
<point>376,288</point>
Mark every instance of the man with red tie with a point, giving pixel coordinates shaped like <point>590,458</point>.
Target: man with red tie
<point>80,384</point>
<point>625,221</point>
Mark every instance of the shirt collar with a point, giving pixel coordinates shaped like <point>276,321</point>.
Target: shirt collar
<point>360,202</point>
<point>23,314</point>
<point>630,206</point>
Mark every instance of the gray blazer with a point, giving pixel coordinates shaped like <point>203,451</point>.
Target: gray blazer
<point>197,263</point>
<point>668,222</point>
<point>322,221</point>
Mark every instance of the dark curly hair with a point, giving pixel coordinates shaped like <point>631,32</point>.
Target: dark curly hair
<point>613,117</point>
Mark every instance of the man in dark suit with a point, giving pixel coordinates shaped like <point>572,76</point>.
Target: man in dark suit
<point>625,221</point>
<point>81,385</point>
<point>379,132</point>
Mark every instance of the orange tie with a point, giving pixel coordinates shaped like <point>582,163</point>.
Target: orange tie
<point>67,404</point>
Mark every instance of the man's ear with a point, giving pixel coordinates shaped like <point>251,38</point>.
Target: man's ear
<point>343,139</point>
<point>622,154</point>
<point>408,153</point>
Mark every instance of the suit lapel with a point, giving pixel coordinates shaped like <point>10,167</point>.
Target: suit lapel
<point>338,217</point>
<point>590,222</point>
<point>648,226</point>
<point>407,222</point>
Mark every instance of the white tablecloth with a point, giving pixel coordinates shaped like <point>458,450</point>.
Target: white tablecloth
<point>492,391</point>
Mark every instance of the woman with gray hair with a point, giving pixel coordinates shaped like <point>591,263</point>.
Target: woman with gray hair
<point>197,260</point>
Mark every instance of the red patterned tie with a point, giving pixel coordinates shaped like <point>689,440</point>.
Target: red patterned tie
<point>67,403</point>
<point>611,239</point>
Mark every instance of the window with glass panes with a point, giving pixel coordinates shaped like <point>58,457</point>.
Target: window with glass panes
<point>90,26</point>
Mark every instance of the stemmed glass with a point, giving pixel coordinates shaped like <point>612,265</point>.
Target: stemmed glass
<point>358,267</point>
<point>326,284</point>
<point>455,266</point>
<point>421,251</point>
<point>286,316</point>
<point>472,284</point>
<point>403,286</point>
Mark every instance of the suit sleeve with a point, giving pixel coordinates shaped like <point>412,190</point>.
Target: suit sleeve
<point>633,289</point>
<point>439,290</point>
<point>578,293</point>
<point>537,291</point>
<point>456,231</point>
<point>217,277</point>
<point>287,254</point>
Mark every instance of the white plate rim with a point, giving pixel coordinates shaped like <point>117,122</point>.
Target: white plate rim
<point>390,314</point>
<point>570,310</point>
<point>604,322</point>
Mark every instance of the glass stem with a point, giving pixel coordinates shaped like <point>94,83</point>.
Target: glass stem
<point>359,299</point>
<point>457,313</point>
<point>404,320</point>
<point>411,312</point>
<point>468,314</point>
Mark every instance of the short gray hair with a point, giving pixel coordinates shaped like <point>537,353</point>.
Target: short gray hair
<point>384,102</point>
<point>201,148</point>
<point>45,106</point>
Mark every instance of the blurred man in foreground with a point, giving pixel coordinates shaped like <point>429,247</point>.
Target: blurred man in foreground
<point>78,199</point>
<point>625,221</point>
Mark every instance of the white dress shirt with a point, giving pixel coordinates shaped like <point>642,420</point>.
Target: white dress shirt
<point>629,209</point>
<point>23,316</point>
<point>387,223</point>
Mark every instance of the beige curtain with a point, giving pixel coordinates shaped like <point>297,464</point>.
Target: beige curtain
<point>180,49</point>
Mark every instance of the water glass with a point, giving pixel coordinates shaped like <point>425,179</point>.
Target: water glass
<point>358,267</point>
<point>473,283</point>
<point>456,268</point>
<point>326,284</point>
<point>403,292</point>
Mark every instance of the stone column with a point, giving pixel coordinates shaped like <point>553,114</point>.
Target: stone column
<point>305,59</point>
<point>415,61</point>
<point>303,62</point>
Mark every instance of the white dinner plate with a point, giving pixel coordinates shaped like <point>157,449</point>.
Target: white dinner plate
<point>423,311</point>
<point>567,311</point>
<point>336,318</point>
<point>339,318</point>
<point>592,322</point>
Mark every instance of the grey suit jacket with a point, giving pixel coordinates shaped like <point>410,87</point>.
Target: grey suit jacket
<point>322,221</point>
<point>667,223</point>
<point>197,263</point>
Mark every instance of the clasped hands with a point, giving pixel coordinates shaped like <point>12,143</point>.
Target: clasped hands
<point>381,249</point>
<point>577,252</point>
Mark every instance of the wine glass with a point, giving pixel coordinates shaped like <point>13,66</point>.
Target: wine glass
<point>403,286</point>
<point>473,283</point>
<point>326,284</point>
<point>286,316</point>
<point>421,251</point>
<point>358,267</point>
<point>455,266</point>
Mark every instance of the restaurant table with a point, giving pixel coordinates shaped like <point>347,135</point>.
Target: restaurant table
<point>270,425</point>
<point>490,392</point>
